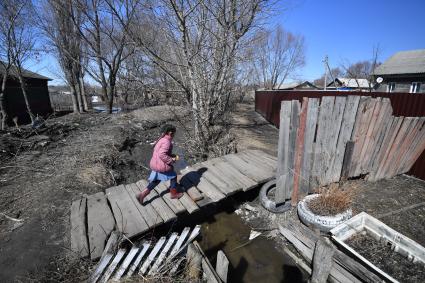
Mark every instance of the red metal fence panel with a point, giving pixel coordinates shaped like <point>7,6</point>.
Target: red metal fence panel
<point>267,103</point>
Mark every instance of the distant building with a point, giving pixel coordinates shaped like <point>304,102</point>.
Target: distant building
<point>349,84</point>
<point>402,72</point>
<point>37,91</point>
<point>306,85</point>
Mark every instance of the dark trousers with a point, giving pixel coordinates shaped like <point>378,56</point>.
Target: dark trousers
<point>153,184</point>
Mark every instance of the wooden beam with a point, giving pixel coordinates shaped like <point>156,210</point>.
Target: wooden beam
<point>222,266</point>
<point>79,242</point>
<point>299,149</point>
<point>322,260</point>
<point>282,193</point>
<point>310,131</point>
<point>100,223</point>
<point>127,216</point>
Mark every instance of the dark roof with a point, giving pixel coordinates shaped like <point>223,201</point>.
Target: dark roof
<point>295,85</point>
<point>404,62</point>
<point>27,73</point>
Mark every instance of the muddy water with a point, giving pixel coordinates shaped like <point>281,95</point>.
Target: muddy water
<point>258,261</point>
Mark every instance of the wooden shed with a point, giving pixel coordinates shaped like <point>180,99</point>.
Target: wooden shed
<point>38,95</point>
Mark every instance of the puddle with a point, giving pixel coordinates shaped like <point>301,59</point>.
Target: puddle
<point>259,261</point>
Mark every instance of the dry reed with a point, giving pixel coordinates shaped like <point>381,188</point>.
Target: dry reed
<point>332,200</point>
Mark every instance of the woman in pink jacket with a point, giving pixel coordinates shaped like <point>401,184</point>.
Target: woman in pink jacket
<point>162,164</point>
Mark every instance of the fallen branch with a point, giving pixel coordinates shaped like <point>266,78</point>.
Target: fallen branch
<point>11,218</point>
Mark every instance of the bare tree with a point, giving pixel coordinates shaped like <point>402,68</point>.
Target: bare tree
<point>18,32</point>
<point>197,44</point>
<point>106,41</point>
<point>5,63</point>
<point>64,36</point>
<point>278,55</point>
<point>363,69</point>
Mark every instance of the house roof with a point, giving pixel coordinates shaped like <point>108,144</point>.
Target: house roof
<point>353,83</point>
<point>403,62</point>
<point>295,85</point>
<point>27,73</point>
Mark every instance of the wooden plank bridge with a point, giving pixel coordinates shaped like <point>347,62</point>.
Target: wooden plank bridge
<point>94,217</point>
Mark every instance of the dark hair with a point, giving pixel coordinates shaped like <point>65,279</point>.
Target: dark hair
<point>168,128</point>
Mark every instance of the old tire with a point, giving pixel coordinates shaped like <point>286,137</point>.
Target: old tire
<point>268,203</point>
<point>324,223</point>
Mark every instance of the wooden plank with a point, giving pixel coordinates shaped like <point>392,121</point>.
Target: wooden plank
<point>194,261</point>
<point>203,184</point>
<point>394,148</point>
<point>106,257</point>
<point>263,154</point>
<point>128,218</point>
<point>299,149</point>
<point>193,235</point>
<point>371,122</point>
<point>387,120</point>
<point>143,250</point>
<point>189,188</point>
<point>330,145</point>
<point>292,139</point>
<point>113,265</point>
<point>188,203</point>
<point>247,169</point>
<point>146,210</point>
<point>403,146</point>
<point>151,256</point>
<point>267,159</point>
<point>307,160</point>
<point>222,266</point>
<point>174,204</point>
<point>347,160</point>
<point>406,144</point>
<point>209,273</point>
<point>282,171</point>
<point>79,242</point>
<point>413,145</point>
<point>163,253</point>
<point>322,260</point>
<point>180,241</point>
<point>358,129</point>
<point>228,172</point>
<point>127,260</point>
<point>261,162</point>
<point>346,130</point>
<point>213,177</point>
<point>386,150</point>
<point>100,223</point>
<point>417,148</point>
<point>320,155</point>
<point>363,127</point>
<point>377,134</point>
<point>157,203</point>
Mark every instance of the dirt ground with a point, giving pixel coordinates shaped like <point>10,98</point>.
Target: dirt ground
<point>42,172</point>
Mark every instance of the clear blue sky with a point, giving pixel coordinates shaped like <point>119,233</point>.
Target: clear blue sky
<point>345,30</point>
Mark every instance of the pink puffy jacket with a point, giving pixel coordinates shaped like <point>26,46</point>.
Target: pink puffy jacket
<point>161,160</point>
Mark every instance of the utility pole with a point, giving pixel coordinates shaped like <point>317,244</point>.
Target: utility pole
<point>325,62</point>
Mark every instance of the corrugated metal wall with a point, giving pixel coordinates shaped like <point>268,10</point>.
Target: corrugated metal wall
<point>267,103</point>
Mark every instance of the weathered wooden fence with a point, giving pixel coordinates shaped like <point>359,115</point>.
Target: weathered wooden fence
<point>268,103</point>
<point>322,141</point>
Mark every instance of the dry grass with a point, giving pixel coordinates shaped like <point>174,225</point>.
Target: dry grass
<point>332,200</point>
